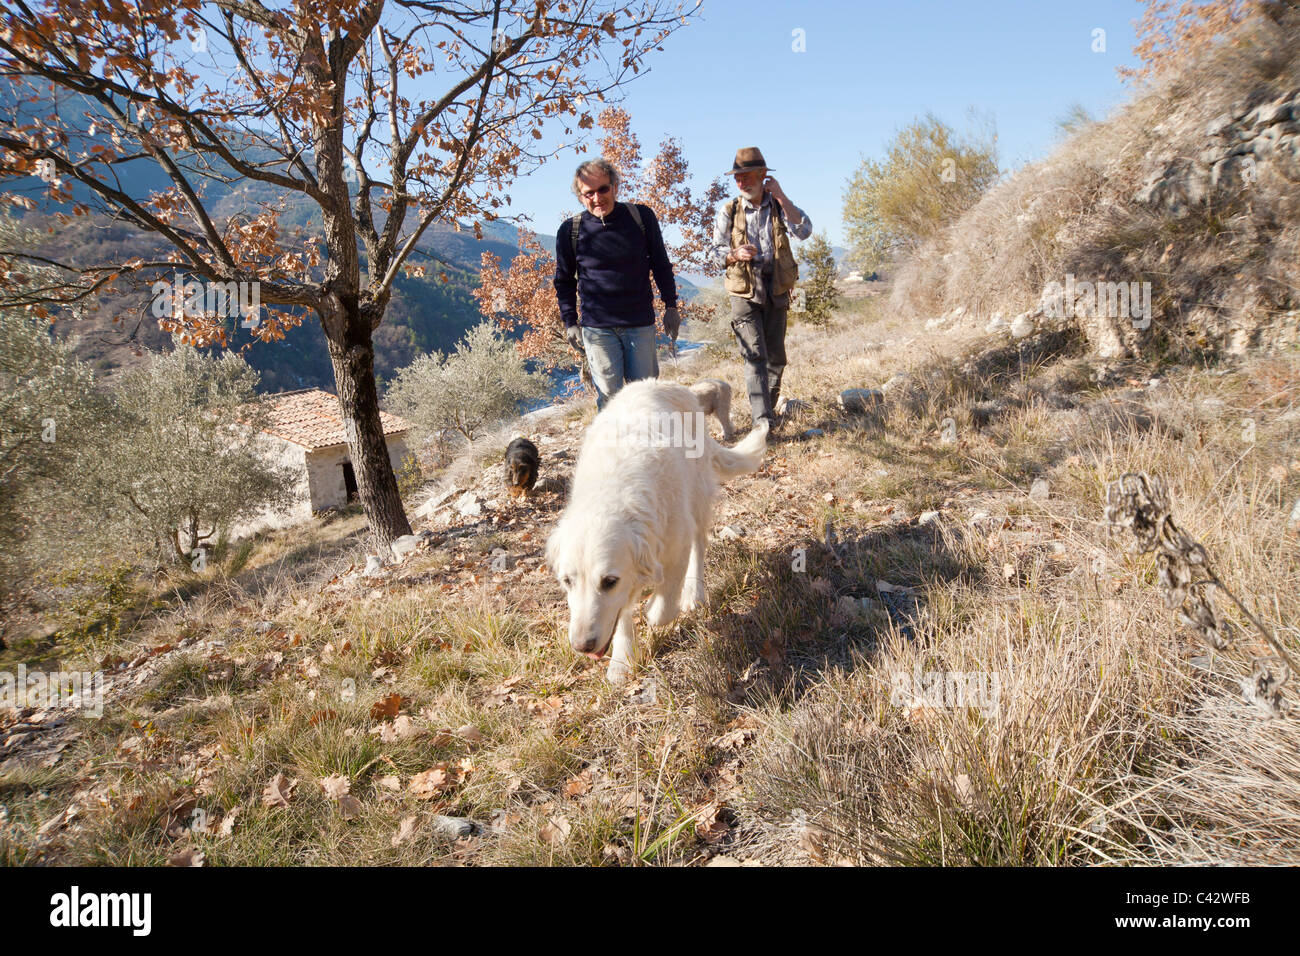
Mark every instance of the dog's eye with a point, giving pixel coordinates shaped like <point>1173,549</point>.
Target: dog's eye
<point>566,582</point>
<point>606,583</point>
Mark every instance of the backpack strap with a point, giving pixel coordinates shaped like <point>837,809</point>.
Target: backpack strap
<point>574,224</point>
<point>636,214</point>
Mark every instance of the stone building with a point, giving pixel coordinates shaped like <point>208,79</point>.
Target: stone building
<point>306,434</point>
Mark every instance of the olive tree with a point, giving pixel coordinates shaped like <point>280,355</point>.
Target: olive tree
<point>483,382</point>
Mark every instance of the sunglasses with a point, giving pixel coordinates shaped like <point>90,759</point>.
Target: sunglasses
<point>593,193</point>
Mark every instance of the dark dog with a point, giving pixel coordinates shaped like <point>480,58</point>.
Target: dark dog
<point>521,467</point>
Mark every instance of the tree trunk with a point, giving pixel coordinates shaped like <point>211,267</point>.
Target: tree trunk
<point>352,353</point>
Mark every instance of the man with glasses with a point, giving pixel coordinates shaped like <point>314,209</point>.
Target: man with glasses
<point>751,237</point>
<point>607,254</point>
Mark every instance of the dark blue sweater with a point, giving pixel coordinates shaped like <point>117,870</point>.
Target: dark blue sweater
<point>613,270</point>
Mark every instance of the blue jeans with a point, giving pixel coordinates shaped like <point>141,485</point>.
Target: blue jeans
<point>619,356</point>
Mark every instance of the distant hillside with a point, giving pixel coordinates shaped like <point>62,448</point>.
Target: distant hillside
<point>425,314</point>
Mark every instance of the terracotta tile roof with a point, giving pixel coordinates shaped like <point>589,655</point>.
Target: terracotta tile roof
<point>312,418</point>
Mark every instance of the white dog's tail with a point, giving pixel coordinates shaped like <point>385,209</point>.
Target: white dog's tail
<point>744,458</point>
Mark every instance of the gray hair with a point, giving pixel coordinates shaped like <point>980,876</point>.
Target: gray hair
<point>595,166</point>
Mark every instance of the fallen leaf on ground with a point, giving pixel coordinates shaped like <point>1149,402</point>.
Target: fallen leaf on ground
<point>190,856</point>
<point>279,791</point>
<point>227,826</point>
<point>405,830</point>
<point>403,728</point>
<point>387,707</point>
<point>336,787</point>
<point>710,823</point>
<point>556,830</point>
<point>735,739</point>
<point>578,785</point>
<point>470,734</point>
<point>438,779</point>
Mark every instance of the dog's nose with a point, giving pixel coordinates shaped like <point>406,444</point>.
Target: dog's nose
<point>583,645</point>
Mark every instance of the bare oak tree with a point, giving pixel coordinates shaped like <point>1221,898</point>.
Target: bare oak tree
<point>380,116</point>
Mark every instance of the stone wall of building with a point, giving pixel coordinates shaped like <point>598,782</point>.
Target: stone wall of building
<point>324,468</point>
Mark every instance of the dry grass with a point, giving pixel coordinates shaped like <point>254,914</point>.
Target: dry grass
<point>1219,266</point>
<point>770,726</point>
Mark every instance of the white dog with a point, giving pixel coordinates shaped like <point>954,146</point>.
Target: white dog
<point>639,513</point>
<point>714,396</point>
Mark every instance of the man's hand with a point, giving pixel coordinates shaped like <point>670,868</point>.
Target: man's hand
<point>573,335</point>
<point>672,324</point>
<point>744,253</point>
<point>772,186</point>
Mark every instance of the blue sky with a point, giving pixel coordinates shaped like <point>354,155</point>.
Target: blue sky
<point>732,78</point>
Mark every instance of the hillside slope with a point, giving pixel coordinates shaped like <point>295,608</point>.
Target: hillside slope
<point>1192,188</point>
<point>284,708</point>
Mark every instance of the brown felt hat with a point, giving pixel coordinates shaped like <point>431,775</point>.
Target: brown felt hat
<point>747,158</point>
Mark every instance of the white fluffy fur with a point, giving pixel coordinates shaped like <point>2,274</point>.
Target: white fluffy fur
<point>638,517</point>
<point>714,396</point>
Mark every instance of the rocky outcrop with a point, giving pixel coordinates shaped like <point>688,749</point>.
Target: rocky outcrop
<point>1240,146</point>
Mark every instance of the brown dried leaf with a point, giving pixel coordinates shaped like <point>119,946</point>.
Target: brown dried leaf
<point>279,791</point>
<point>387,708</point>
<point>556,830</point>
<point>735,739</point>
<point>405,830</point>
<point>579,785</point>
<point>336,787</point>
<point>190,856</point>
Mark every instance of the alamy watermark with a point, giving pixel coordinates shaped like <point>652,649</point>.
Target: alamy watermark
<point>1112,300</point>
<point>948,690</point>
<point>193,299</point>
<point>687,430</point>
<point>81,689</point>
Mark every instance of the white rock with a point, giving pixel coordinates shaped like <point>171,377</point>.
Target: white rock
<point>996,324</point>
<point>884,587</point>
<point>788,406</point>
<point>1022,326</point>
<point>863,400</point>
<point>730,533</point>
<point>927,517</point>
<point>453,827</point>
<point>434,503</point>
<point>406,544</point>
<point>469,505</point>
<point>1294,520</point>
<point>1040,490</point>
<point>896,381</point>
<point>374,565</point>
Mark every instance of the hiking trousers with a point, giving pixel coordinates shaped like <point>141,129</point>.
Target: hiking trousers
<point>760,330</point>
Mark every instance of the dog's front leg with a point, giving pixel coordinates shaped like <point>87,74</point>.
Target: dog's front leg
<point>623,653</point>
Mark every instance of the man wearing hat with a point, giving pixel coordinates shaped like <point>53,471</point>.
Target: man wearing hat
<point>751,237</point>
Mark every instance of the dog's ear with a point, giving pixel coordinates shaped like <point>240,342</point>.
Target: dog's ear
<point>554,547</point>
<point>648,568</point>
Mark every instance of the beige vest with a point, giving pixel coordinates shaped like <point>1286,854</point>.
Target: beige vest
<point>740,275</point>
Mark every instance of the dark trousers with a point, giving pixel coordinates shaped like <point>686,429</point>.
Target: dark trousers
<point>760,330</point>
